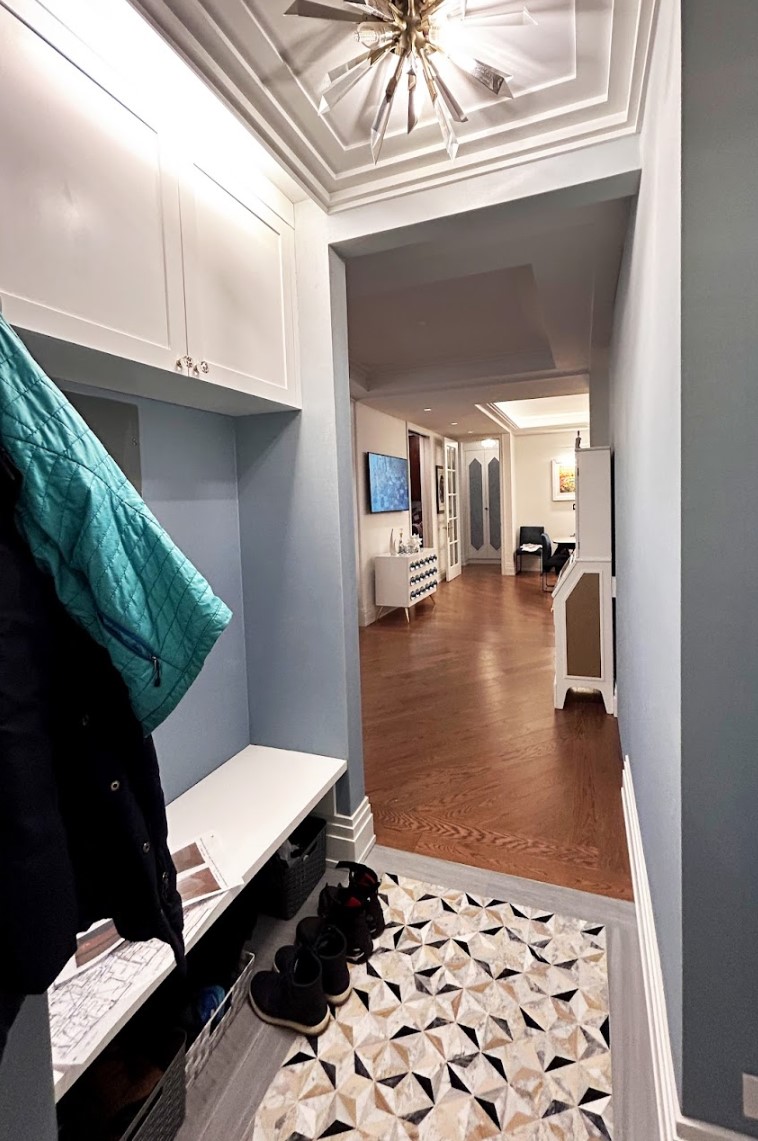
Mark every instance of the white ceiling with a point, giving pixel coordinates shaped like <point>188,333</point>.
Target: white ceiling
<point>490,311</point>
<point>578,74</point>
<point>547,413</point>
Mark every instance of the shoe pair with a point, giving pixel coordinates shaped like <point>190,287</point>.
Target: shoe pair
<point>307,978</point>
<point>313,974</point>
<point>355,909</point>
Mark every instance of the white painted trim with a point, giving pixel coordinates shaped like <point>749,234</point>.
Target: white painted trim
<point>347,837</point>
<point>672,1125</point>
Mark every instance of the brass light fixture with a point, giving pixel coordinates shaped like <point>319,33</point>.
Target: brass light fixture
<point>415,35</point>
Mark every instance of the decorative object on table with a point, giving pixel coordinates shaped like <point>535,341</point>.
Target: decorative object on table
<point>440,485</point>
<point>578,442</point>
<point>410,546</point>
<point>564,478</point>
<point>393,549</point>
<point>428,40</point>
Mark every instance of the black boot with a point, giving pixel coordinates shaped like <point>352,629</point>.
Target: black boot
<point>293,997</point>
<point>329,945</point>
<point>347,911</point>
<point>366,882</point>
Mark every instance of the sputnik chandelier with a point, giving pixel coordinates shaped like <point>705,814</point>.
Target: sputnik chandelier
<point>412,36</point>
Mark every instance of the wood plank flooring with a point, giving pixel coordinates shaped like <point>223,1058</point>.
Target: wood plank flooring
<point>466,758</point>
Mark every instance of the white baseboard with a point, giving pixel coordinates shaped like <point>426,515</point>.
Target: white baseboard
<point>672,1125</point>
<point>347,837</point>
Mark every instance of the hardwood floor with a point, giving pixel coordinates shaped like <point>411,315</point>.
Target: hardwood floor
<point>466,758</point>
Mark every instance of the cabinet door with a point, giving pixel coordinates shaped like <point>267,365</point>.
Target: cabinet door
<point>90,243</point>
<point>239,287</point>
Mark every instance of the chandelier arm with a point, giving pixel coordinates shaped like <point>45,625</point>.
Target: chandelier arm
<point>381,9</point>
<point>316,11</point>
<point>381,119</point>
<point>482,73</point>
<point>339,88</point>
<point>451,102</point>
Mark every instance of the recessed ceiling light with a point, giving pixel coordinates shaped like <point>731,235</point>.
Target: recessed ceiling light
<point>427,409</point>
<point>453,423</point>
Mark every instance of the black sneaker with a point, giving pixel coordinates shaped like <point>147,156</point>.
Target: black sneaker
<point>293,997</point>
<point>366,883</point>
<point>346,911</point>
<point>329,945</point>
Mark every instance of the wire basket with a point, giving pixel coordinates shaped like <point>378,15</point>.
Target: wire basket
<point>162,1115</point>
<point>218,1023</point>
<point>284,887</point>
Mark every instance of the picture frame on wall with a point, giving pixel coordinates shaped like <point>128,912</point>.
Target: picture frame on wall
<point>440,484</point>
<point>563,474</point>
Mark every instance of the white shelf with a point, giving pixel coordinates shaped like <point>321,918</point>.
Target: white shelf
<point>252,803</point>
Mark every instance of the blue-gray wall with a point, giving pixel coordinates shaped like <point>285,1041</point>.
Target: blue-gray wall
<point>645,435</point>
<point>189,480</point>
<point>297,532</point>
<point>720,556</point>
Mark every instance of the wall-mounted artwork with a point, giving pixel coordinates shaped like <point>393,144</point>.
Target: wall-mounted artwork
<point>440,472</point>
<point>564,478</point>
<point>387,483</point>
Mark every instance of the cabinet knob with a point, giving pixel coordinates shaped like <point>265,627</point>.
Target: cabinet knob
<point>201,367</point>
<point>184,362</point>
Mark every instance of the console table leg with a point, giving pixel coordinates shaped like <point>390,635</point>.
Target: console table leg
<point>407,616</point>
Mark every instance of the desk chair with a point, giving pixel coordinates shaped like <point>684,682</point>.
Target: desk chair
<point>551,562</point>
<point>526,536</point>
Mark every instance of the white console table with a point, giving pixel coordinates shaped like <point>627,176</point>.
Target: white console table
<point>403,580</point>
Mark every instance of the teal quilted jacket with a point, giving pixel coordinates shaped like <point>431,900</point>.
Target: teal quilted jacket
<point>115,568</point>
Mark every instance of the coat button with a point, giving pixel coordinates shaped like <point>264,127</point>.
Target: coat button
<point>146,847</point>
<point>115,785</point>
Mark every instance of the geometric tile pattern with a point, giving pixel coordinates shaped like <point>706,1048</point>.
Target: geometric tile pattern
<point>474,1018</point>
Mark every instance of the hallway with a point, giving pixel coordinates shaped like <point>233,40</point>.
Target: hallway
<point>466,758</point>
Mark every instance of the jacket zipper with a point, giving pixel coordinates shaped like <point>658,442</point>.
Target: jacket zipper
<point>134,643</point>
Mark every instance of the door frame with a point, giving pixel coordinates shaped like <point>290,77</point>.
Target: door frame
<point>467,447</point>
<point>453,568</point>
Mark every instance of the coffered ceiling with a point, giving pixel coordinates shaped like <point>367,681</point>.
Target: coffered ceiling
<point>577,70</point>
<point>440,332</point>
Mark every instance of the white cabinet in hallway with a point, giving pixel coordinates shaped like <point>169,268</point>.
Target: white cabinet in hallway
<point>111,238</point>
<point>90,244</point>
<point>239,278</point>
<point>404,580</point>
<point>583,596</point>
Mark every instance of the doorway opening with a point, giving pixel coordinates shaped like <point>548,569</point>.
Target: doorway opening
<point>416,456</point>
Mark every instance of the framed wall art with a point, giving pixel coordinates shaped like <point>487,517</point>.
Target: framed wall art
<point>564,478</point>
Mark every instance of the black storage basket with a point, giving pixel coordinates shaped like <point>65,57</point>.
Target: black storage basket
<point>284,887</point>
<point>162,1115</point>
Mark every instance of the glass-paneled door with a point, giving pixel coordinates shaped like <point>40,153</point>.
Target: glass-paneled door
<point>452,510</point>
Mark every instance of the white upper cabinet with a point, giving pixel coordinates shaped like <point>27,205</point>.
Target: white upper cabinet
<point>111,241</point>
<point>239,287</point>
<point>90,245</point>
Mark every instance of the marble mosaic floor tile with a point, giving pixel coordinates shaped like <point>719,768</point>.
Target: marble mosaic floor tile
<point>474,1018</point>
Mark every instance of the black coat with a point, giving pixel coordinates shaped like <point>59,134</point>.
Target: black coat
<point>82,815</point>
